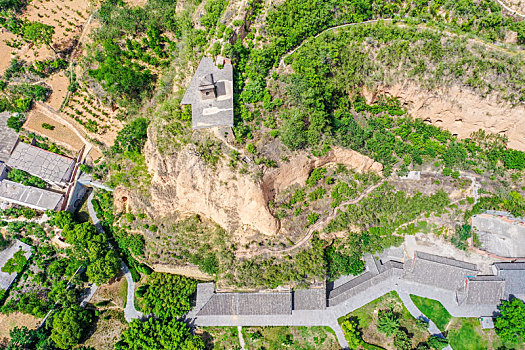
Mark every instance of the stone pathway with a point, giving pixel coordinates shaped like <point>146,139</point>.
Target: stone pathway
<point>417,314</point>
<point>130,312</point>
<point>241,338</point>
<point>87,298</point>
<point>328,317</point>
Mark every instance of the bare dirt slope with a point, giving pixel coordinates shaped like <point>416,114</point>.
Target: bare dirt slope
<point>460,111</point>
<point>184,183</point>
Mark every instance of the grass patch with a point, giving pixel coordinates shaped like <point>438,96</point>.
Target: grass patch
<point>367,317</point>
<point>433,310</point>
<point>123,291</point>
<point>299,338</point>
<point>467,336</point>
<point>219,338</point>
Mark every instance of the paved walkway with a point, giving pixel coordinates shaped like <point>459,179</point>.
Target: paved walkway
<point>417,314</point>
<point>130,312</point>
<point>87,298</point>
<point>329,316</point>
<point>241,338</point>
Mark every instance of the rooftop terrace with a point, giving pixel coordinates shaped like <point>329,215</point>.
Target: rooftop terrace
<point>210,95</point>
<point>48,166</point>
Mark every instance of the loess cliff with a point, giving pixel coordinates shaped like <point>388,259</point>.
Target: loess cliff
<point>183,183</point>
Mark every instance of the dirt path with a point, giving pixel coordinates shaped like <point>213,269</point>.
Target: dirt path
<point>42,108</point>
<point>315,227</point>
<point>514,12</point>
<point>318,226</point>
<point>476,39</point>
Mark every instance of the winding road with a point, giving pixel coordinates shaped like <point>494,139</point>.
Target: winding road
<point>130,312</point>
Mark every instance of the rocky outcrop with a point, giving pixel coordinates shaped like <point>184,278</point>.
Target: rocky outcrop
<point>296,171</point>
<point>183,183</point>
<point>459,110</point>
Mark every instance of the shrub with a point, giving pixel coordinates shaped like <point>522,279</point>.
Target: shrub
<point>25,178</point>
<point>388,322</point>
<point>48,126</point>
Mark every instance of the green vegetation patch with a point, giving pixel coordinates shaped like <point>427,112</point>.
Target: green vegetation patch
<point>372,321</point>
<point>467,335</point>
<point>433,310</point>
<point>304,338</point>
<point>221,338</point>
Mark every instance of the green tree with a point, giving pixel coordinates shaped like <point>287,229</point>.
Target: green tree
<point>25,178</point>
<point>510,324</point>
<point>64,220</point>
<point>103,268</point>
<point>16,121</point>
<point>437,342</point>
<point>402,341</point>
<point>352,334</point>
<point>293,130</point>
<point>38,33</point>
<point>69,325</point>
<point>24,338</point>
<point>159,334</point>
<point>16,263</point>
<point>388,322</point>
<point>168,295</point>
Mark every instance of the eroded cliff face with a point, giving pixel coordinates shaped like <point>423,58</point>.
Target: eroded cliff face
<point>460,111</point>
<point>183,183</point>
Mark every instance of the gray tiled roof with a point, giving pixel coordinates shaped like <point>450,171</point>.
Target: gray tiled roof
<point>309,299</point>
<point>514,275</point>
<point>28,196</point>
<point>216,111</point>
<point>439,271</point>
<point>248,304</point>
<point>46,165</point>
<point>8,137</point>
<point>485,290</point>
<point>364,281</point>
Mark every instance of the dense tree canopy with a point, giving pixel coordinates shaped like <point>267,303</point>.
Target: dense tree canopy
<point>510,325</point>
<point>69,325</point>
<point>159,334</point>
<point>168,295</point>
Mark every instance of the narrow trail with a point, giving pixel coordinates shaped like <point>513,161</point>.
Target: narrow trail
<point>476,39</point>
<point>315,227</point>
<point>514,12</point>
<point>51,113</point>
<point>318,226</point>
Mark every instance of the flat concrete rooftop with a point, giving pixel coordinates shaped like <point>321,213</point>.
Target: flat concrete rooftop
<point>8,137</point>
<point>215,110</point>
<point>48,166</point>
<point>28,196</point>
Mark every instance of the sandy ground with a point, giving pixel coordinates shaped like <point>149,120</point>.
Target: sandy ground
<point>67,16</point>
<point>517,5</point>
<point>189,271</point>
<point>5,51</point>
<point>16,319</point>
<point>61,135</point>
<point>111,291</point>
<point>136,2</point>
<point>91,108</point>
<point>59,83</point>
<point>108,329</point>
